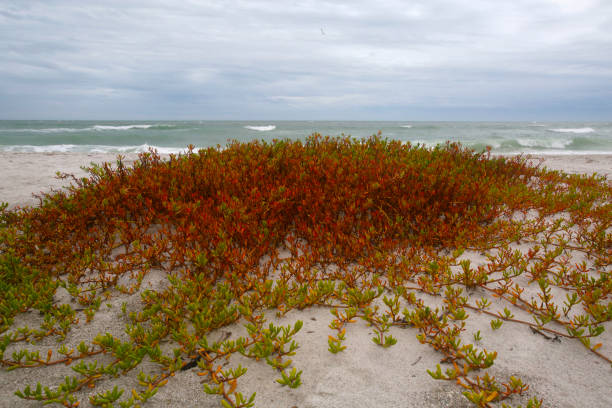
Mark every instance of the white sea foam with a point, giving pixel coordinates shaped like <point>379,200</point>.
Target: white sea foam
<point>72,148</point>
<point>86,129</point>
<point>573,130</point>
<point>125,127</point>
<point>49,130</point>
<point>560,144</point>
<point>61,148</point>
<point>406,126</point>
<point>551,144</point>
<point>145,148</point>
<point>528,142</point>
<point>261,128</point>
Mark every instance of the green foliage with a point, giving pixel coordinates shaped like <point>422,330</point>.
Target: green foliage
<point>106,399</point>
<point>22,288</point>
<point>292,379</point>
<point>496,324</point>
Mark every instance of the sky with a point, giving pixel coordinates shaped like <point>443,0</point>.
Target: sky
<point>306,60</point>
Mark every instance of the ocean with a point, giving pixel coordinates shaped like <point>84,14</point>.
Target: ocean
<point>175,136</point>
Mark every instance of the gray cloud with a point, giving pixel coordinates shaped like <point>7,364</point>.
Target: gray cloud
<point>436,59</point>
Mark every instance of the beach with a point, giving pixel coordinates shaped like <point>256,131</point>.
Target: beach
<point>562,372</point>
<point>25,174</point>
<point>320,205</point>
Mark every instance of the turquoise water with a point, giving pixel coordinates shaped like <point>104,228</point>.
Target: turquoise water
<point>175,136</point>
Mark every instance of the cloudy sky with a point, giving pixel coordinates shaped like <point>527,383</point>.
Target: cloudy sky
<point>251,59</point>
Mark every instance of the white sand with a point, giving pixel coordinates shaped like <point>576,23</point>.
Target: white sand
<point>564,373</point>
<point>25,174</point>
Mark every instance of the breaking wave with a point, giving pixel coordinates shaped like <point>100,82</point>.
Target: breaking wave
<point>87,129</point>
<point>574,130</point>
<point>551,144</point>
<point>261,128</point>
<point>125,127</point>
<point>73,148</point>
<point>46,130</point>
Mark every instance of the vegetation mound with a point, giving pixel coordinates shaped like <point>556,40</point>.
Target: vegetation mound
<point>370,228</point>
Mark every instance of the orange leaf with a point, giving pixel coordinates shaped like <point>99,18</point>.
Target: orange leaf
<point>232,384</point>
<point>492,396</point>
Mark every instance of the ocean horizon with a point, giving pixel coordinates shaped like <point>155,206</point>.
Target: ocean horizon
<point>125,136</point>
